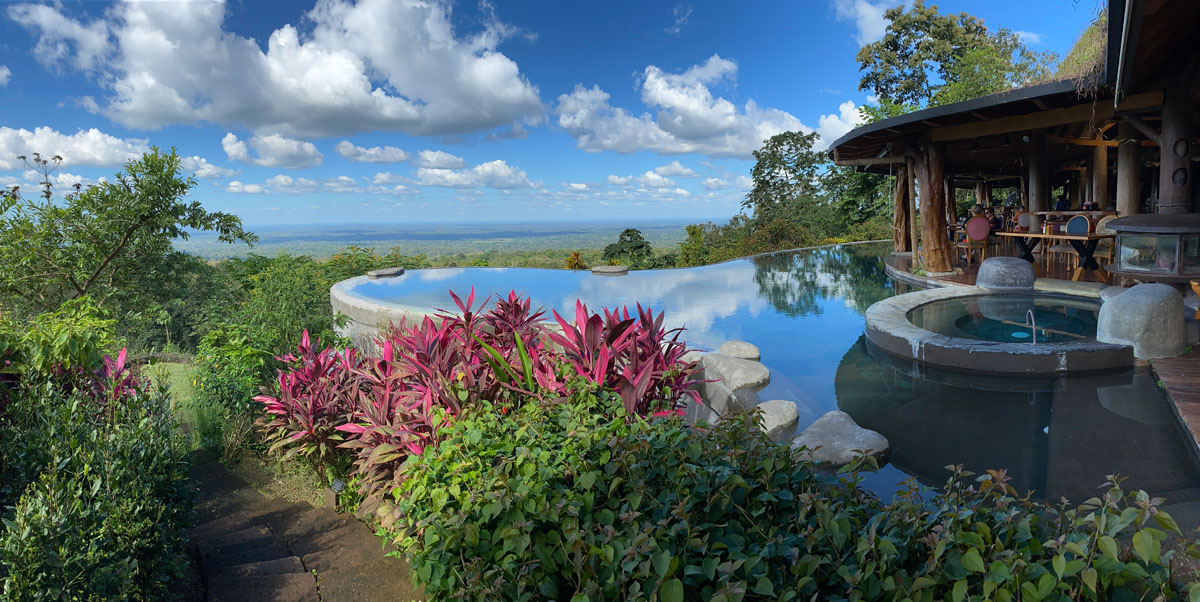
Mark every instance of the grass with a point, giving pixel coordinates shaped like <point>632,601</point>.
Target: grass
<point>178,377</point>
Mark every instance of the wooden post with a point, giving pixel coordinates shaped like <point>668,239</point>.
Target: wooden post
<point>1175,166</point>
<point>1129,185</point>
<point>1038,184</point>
<point>1076,201</point>
<point>900,228</point>
<point>951,206</point>
<point>913,216</point>
<point>981,194</point>
<point>1100,177</point>
<point>937,254</point>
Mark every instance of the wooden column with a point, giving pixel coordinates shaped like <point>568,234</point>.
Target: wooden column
<point>1175,166</point>
<point>937,255</point>
<point>981,194</point>
<point>1100,177</point>
<point>901,242</point>
<point>1129,184</point>
<point>1088,187</point>
<point>913,216</point>
<point>951,206</point>
<point>1039,185</point>
<point>1074,192</point>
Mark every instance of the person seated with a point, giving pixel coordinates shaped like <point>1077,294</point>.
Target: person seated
<point>1063,204</point>
<point>993,219</point>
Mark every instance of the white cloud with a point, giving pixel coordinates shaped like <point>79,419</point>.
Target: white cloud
<point>834,126</point>
<point>436,159</point>
<point>689,118</point>
<point>618,180</point>
<point>84,147</point>
<point>867,17</point>
<point>273,150</point>
<point>203,169</point>
<point>653,180</point>
<point>384,178</point>
<point>674,168</point>
<point>62,182</point>
<point>375,154</point>
<point>576,186</point>
<point>682,12</point>
<point>240,188</point>
<point>1029,37</point>
<point>281,181</point>
<point>344,67</point>
<point>5,75</point>
<point>715,183</point>
<point>493,174</point>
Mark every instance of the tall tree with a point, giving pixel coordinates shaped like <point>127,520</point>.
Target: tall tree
<point>786,177</point>
<point>926,58</point>
<point>630,247</point>
<point>100,240</point>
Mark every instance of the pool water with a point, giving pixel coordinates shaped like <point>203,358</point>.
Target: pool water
<point>804,310</point>
<point>1011,318</point>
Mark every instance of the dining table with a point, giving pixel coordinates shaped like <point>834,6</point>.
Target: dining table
<point>1084,245</point>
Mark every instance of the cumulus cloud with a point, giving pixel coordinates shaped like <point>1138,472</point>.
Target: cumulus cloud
<point>651,179</point>
<point>5,75</point>
<point>346,67</point>
<point>240,188</point>
<point>835,125</point>
<point>1029,37</point>
<point>202,169</point>
<point>689,118</point>
<point>375,154</point>
<point>84,147</point>
<point>576,186</point>
<point>436,159</point>
<point>614,180</point>
<point>867,17</point>
<point>493,174</point>
<point>715,183</point>
<point>384,178</point>
<point>272,150</point>
<point>674,168</point>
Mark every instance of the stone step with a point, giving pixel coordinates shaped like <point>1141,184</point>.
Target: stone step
<point>269,541</point>
<point>265,512</point>
<point>361,576</point>
<point>279,566</point>
<point>343,536</point>
<point>308,523</point>
<point>217,540</point>
<point>287,587</point>
<point>214,565</point>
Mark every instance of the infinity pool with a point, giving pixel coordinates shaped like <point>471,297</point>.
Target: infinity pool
<point>804,309</point>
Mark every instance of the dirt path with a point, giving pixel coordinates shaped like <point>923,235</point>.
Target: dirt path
<point>252,547</point>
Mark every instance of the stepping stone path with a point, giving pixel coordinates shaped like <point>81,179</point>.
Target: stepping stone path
<point>252,547</point>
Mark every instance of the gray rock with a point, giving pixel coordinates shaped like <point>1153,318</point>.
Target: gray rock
<point>1110,292</point>
<point>385,273</point>
<point>1147,317</point>
<point>740,350</point>
<point>778,419</point>
<point>1006,274</point>
<point>735,373</point>
<point>610,270</point>
<point>835,439</point>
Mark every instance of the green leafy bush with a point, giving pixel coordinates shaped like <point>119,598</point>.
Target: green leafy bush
<point>103,515</point>
<point>229,365</point>
<point>555,501</point>
<point>72,338</point>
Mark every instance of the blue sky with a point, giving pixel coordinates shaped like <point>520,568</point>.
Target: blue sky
<point>338,111</point>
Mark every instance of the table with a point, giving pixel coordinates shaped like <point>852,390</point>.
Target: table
<point>1084,245</point>
<point>1090,214</point>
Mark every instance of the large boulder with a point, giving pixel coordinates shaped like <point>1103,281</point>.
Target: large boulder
<point>741,350</point>
<point>778,418</point>
<point>734,372</point>
<point>1006,274</point>
<point>835,439</point>
<point>1147,317</point>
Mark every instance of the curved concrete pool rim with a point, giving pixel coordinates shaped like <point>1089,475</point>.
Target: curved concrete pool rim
<point>889,328</point>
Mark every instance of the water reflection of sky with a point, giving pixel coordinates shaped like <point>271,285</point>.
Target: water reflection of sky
<point>804,311</point>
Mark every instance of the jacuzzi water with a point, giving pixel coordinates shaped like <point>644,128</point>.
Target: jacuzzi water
<point>1011,318</point>
<point>1056,436</point>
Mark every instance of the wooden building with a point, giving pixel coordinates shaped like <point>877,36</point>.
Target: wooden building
<point>1124,138</point>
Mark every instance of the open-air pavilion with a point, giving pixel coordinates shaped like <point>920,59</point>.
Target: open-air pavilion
<point>1121,140</point>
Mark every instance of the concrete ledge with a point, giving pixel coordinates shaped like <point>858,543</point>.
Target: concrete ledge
<point>1069,287</point>
<point>610,270</point>
<point>889,328</point>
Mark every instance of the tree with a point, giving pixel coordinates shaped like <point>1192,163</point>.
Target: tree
<point>926,58</point>
<point>99,240</point>
<point>785,176</point>
<point>630,247</point>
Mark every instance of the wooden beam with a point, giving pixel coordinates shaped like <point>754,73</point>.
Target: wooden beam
<point>1038,102</point>
<point>980,116</point>
<point>1145,129</point>
<point>870,161</point>
<point>1091,141</point>
<point>1097,111</point>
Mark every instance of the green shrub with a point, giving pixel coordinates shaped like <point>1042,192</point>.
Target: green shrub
<point>557,502</point>
<point>74,337</point>
<point>229,366</point>
<point>104,520</point>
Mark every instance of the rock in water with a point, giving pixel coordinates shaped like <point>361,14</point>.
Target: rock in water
<point>778,418</point>
<point>741,350</point>
<point>834,438</point>
<point>736,373</point>
<point>1147,317</point>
